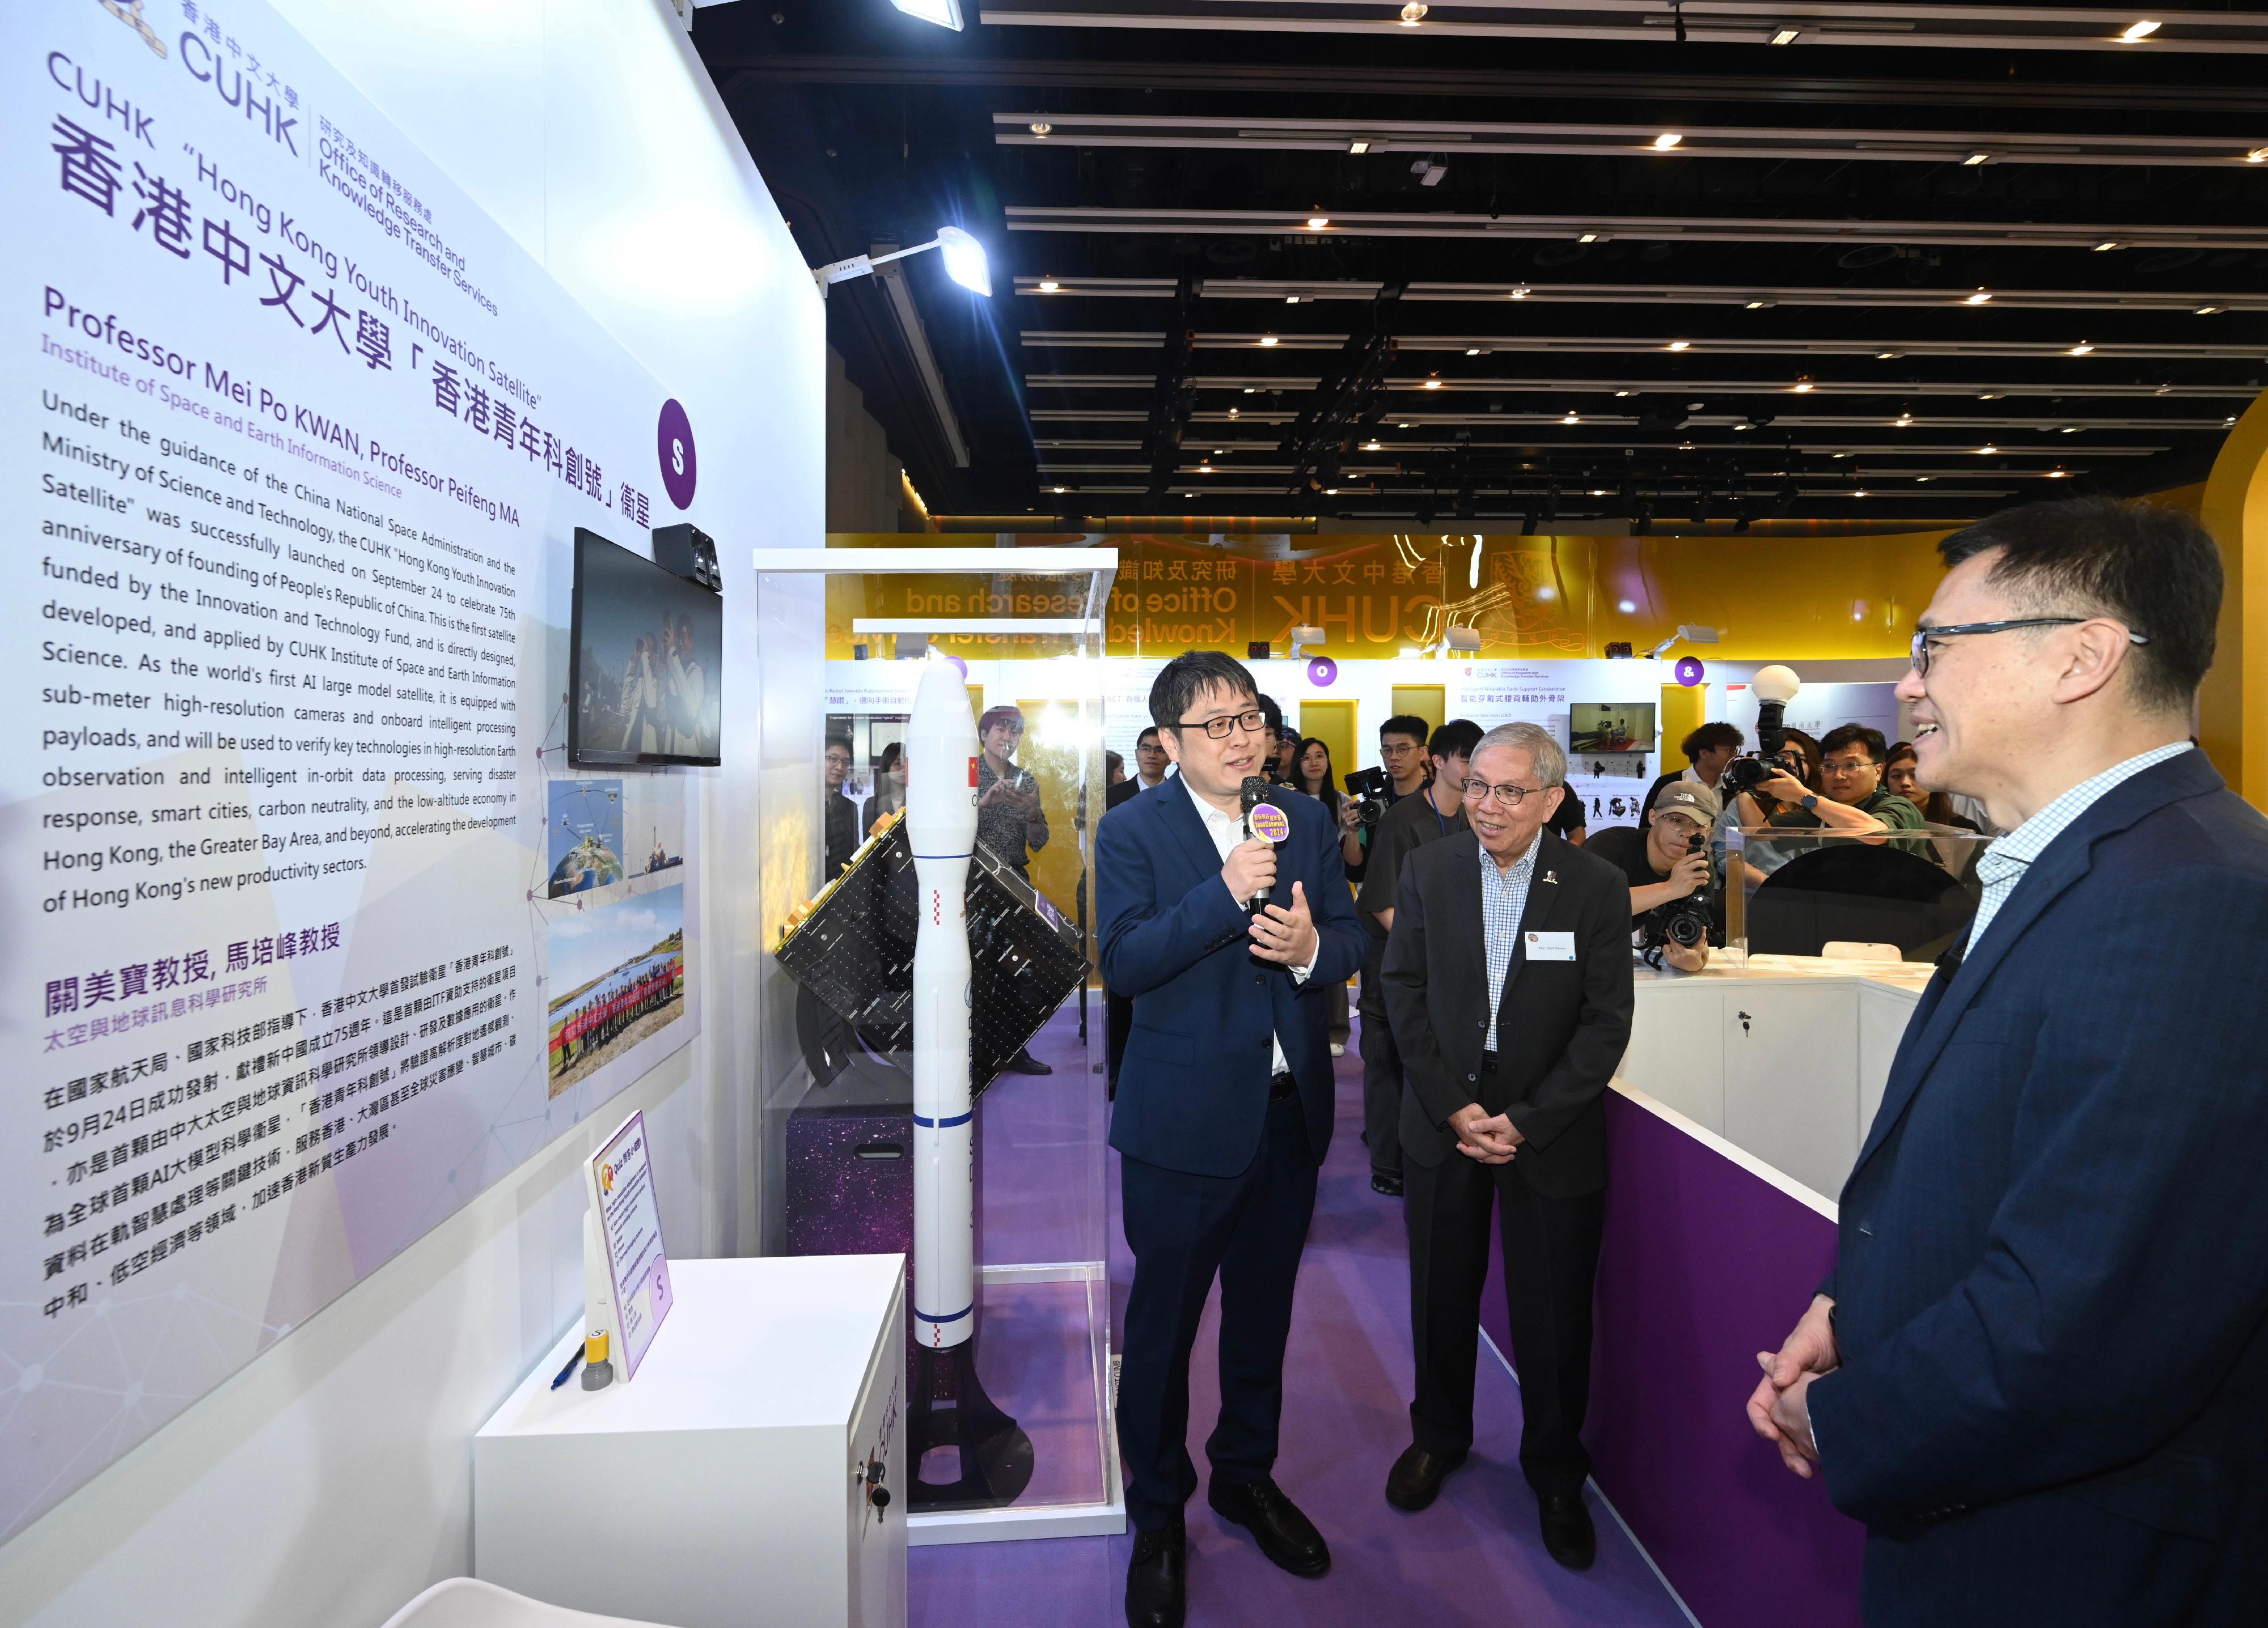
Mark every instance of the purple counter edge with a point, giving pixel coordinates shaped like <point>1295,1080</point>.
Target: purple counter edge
<point>1706,1263</point>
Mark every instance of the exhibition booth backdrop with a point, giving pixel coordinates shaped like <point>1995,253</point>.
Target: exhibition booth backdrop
<point>335,323</point>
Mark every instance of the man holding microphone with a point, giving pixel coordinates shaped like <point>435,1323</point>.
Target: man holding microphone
<point>1227,923</point>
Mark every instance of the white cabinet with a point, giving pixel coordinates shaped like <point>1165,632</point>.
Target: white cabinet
<point>1792,1078</point>
<point>1788,1064</point>
<point>753,1475</point>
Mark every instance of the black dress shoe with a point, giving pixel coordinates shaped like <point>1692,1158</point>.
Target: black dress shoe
<point>1286,1536</point>
<point>1024,1062</point>
<point>1567,1531</point>
<point>1156,1592</point>
<point>1390,1185</point>
<point>1415,1478</point>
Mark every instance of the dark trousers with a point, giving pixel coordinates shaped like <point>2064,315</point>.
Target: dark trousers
<point>1551,1259</point>
<point>1182,1229</point>
<point>1382,1095</point>
<point>1118,1022</point>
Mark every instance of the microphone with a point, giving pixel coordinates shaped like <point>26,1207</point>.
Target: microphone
<point>1273,826</point>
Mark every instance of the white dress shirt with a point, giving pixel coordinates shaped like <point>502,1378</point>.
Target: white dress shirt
<point>1226,831</point>
<point>2000,867</point>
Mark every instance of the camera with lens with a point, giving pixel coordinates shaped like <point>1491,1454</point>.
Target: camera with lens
<point>1746,775</point>
<point>1367,788</point>
<point>1685,922</point>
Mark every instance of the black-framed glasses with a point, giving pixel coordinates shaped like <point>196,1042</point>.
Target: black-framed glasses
<point>1921,639</point>
<point>1251,722</point>
<point>1507,795</point>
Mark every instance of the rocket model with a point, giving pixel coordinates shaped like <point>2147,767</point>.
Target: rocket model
<point>941,752</point>
<point>995,1457</point>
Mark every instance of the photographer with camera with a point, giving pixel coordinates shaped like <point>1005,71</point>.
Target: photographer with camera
<point>1432,813</point>
<point>1856,804</point>
<point>1672,892</point>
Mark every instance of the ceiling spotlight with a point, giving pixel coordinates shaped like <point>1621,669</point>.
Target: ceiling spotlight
<point>2071,430</point>
<point>1405,426</point>
<point>2258,155</point>
<point>1888,355</point>
<point>1905,420</point>
<point>1744,426</point>
<point>1520,293</point>
<point>1433,383</point>
<point>1217,451</point>
<point>2104,248</point>
<point>1598,491</point>
<point>1990,395</point>
<point>2142,30</point>
<point>1061,490</point>
<point>1204,469</point>
<point>1987,450</point>
<point>1473,350</point>
<point>2208,311</point>
<point>1681,344</point>
<point>1666,140</point>
<point>1371,446</point>
<point>1923,479</point>
<point>1784,35</point>
<point>1976,159</point>
<point>1291,299</point>
<point>1048,285</point>
<point>1802,386</point>
<point>1330,491</point>
<point>1413,14</point>
<point>1251,390</point>
<point>1861,492</point>
<point>1316,223</point>
<point>2058,474</point>
<point>943,13</point>
<point>1232,412</point>
<point>2081,349</point>
<point>1570,419</point>
<point>1357,146</point>
<point>1590,237</point>
<point>1980,297</point>
<point>1267,340</point>
<point>1625,392</point>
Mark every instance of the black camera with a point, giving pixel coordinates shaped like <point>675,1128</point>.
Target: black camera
<point>1367,788</point>
<point>1745,774</point>
<point>1685,922</point>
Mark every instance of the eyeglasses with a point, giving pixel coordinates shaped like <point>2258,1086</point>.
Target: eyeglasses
<point>1849,765</point>
<point>1251,722</point>
<point>1507,795</point>
<point>1921,640</point>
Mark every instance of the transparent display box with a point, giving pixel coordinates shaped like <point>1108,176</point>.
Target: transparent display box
<point>1794,891</point>
<point>837,1117</point>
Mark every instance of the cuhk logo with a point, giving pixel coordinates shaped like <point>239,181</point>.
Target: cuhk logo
<point>674,442</point>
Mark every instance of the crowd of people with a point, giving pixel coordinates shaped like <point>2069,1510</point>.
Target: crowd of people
<point>2036,1372</point>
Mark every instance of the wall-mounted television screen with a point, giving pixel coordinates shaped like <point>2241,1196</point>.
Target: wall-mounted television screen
<point>647,654</point>
<point>1610,726</point>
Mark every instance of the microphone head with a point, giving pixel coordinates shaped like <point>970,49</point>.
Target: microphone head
<point>1255,791</point>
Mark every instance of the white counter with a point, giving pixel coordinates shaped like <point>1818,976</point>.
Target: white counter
<point>1785,1057</point>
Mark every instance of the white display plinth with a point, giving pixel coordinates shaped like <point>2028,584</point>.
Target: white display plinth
<point>734,1485</point>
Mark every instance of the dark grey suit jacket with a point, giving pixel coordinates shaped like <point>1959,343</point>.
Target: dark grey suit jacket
<point>1562,1026</point>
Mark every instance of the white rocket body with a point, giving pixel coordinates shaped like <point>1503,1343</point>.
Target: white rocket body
<point>940,752</point>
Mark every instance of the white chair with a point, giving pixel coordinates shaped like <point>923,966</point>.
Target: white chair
<point>468,1602</point>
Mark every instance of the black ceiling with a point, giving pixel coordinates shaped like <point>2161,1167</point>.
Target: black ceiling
<point>1520,307</point>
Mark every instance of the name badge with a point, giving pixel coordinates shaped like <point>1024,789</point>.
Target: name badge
<point>1550,946</point>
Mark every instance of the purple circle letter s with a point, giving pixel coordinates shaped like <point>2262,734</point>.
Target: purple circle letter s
<point>673,440</point>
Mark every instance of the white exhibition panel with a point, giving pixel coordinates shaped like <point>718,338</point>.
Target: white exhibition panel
<point>307,437</point>
<point>330,1479</point>
<point>1785,1057</point>
<point>728,1485</point>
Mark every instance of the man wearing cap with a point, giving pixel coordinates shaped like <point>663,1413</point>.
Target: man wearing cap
<point>1667,859</point>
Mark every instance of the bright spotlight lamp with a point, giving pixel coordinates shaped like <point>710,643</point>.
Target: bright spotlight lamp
<point>943,13</point>
<point>1692,633</point>
<point>964,262</point>
<point>1305,637</point>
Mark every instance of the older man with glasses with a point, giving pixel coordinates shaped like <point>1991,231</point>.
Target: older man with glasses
<point>1508,978</point>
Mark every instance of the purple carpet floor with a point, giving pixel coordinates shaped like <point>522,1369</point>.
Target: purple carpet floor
<point>1474,1557</point>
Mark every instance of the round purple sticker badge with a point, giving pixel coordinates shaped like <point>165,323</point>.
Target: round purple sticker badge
<point>1688,671</point>
<point>673,440</point>
<point>1269,822</point>
<point>1322,670</point>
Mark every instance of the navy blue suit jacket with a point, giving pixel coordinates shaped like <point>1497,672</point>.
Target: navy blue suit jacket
<point>1193,1088</point>
<point>2052,1272</point>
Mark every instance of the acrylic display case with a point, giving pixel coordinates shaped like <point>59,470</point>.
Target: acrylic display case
<point>1790,892</point>
<point>837,1117</point>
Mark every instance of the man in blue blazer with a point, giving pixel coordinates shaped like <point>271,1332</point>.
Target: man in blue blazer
<point>1224,1107</point>
<point>2039,1373</point>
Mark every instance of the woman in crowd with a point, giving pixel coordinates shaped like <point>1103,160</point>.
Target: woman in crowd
<point>1311,773</point>
<point>889,788</point>
<point>1954,853</point>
